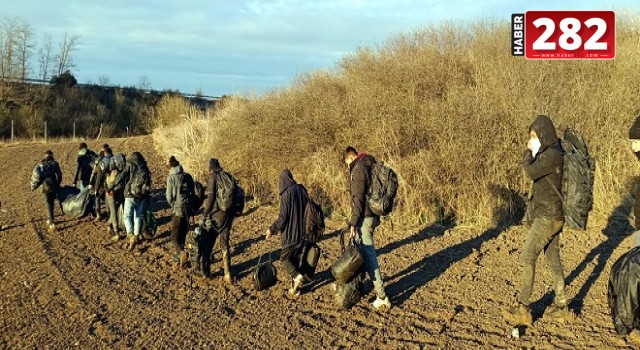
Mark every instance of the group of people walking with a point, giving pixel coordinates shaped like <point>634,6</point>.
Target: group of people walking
<point>128,183</point>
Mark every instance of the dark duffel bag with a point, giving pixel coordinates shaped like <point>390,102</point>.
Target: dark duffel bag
<point>348,294</point>
<point>264,275</point>
<point>78,205</point>
<point>349,263</point>
<point>308,256</point>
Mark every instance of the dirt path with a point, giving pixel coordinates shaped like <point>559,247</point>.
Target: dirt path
<point>448,284</point>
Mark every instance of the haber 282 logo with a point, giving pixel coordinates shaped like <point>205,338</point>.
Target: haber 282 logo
<point>564,34</point>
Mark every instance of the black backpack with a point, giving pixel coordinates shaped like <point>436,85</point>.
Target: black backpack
<point>186,191</point>
<point>577,180</point>
<point>382,189</point>
<point>313,221</point>
<point>198,251</point>
<point>230,196</point>
<point>225,184</point>
<point>140,180</point>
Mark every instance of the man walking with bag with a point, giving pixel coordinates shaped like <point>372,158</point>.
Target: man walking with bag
<point>291,223</point>
<point>363,221</point>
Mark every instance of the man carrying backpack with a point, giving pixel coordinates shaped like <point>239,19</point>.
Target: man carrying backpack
<point>634,136</point>
<point>85,167</point>
<point>180,189</point>
<point>50,181</point>
<point>543,163</point>
<point>218,216</point>
<point>291,224</point>
<point>136,179</point>
<point>363,221</point>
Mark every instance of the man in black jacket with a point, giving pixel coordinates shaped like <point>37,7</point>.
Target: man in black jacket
<point>363,221</point>
<point>51,181</point>
<point>634,136</point>
<point>290,222</point>
<point>85,166</point>
<point>543,164</point>
<point>215,221</point>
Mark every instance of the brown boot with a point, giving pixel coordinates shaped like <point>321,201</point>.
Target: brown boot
<point>183,259</point>
<point>518,315</point>
<point>132,242</point>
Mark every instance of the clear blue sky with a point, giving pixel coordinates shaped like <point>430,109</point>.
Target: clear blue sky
<point>236,46</point>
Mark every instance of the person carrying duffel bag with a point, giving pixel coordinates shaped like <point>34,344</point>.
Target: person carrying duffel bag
<point>348,274</point>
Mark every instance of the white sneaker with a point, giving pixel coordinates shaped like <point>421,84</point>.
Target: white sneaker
<point>381,303</point>
<point>297,283</point>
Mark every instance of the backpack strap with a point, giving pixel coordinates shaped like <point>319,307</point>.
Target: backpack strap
<point>554,188</point>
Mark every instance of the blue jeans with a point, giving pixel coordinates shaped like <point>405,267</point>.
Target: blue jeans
<point>133,211</point>
<point>366,227</point>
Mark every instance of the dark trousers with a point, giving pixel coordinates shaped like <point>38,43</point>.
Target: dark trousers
<point>49,201</point>
<point>99,200</point>
<point>179,229</point>
<point>221,228</point>
<point>114,202</point>
<point>544,236</point>
<point>289,260</point>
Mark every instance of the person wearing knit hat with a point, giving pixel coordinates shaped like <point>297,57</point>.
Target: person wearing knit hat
<point>634,136</point>
<point>180,190</point>
<point>215,221</point>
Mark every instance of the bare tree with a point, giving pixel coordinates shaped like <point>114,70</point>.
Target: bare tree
<point>8,40</point>
<point>45,56</point>
<point>144,83</point>
<point>24,49</point>
<point>104,80</point>
<point>65,49</point>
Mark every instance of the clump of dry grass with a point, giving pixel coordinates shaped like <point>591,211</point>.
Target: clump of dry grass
<point>447,107</point>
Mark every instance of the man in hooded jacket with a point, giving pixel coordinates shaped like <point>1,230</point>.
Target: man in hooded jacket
<point>134,207</point>
<point>542,163</point>
<point>634,136</point>
<point>179,189</point>
<point>217,222</point>
<point>291,224</point>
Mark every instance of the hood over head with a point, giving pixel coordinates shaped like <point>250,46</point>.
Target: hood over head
<point>214,165</point>
<point>546,131</point>
<point>286,180</point>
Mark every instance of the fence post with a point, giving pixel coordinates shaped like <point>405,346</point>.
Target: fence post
<point>74,131</point>
<point>12,132</point>
<point>45,132</point>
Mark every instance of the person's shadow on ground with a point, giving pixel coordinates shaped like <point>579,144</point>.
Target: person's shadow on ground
<point>617,229</point>
<point>422,272</point>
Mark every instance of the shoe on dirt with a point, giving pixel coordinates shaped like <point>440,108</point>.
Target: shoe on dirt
<point>132,242</point>
<point>558,312</point>
<point>379,304</point>
<point>519,314</point>
<point>52,227</point>
<point>115,238</point>
<point>633,338</point>
<point>296,284</point>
